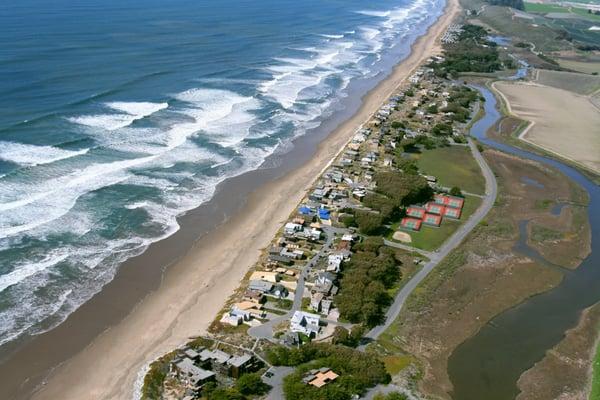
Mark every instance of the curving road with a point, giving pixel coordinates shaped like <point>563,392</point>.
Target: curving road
<point>491,191</point>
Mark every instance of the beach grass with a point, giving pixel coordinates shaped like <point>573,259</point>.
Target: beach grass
<point>453,166</point>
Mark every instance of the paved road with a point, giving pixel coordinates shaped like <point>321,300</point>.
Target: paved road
<point>491,191</point>
<point>265,331</point>
<point>276,381</point>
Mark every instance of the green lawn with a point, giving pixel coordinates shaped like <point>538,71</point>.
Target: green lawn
<point>595,392</point>
<point>430,238</point>
<point>544,8</point>
<point>453,166</point>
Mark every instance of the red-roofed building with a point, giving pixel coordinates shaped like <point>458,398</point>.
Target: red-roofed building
<point>435,208</point>
<point>411,223</point>
<point>415,212</point>
<point>452,212</point>
<point>451,201</point>
<point>432,219</point>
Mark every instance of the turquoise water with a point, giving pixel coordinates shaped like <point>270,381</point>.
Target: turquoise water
<point>116,117</point>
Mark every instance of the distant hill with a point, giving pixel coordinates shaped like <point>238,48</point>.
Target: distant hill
<point>518,4</point>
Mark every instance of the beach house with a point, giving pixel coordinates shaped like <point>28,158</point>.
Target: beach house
<point>191,375</point>
<point>319,377</point>
<point>305,323</point>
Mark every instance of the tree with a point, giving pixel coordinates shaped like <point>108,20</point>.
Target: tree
<point>370,244</point>
<point>398,125</point>
<point>348,221</point>
<point>251,384</point>
<point>340,335</point>
<point>407,165</point>
<point>442,129</point>
<point>455,191</point>
<point>369,223</point>
<point>226,394</point>
<point>386,207</point>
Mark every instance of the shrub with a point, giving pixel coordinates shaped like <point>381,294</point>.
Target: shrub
<point>251,384</point>
<point>455,191</point>
<point>442,129</point>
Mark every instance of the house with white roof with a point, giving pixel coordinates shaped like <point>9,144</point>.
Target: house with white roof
<point>306,323</point>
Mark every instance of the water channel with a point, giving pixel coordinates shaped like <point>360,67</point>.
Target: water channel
<point>488,365</point>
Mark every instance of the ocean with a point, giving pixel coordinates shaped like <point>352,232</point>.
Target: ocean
<point>117,117</point>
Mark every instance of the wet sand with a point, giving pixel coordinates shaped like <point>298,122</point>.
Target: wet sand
<point>99,351</point>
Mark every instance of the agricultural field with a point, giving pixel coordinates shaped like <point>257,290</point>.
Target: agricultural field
<point>573,82</point>
<point>565,123</point>
<point>587,67</point>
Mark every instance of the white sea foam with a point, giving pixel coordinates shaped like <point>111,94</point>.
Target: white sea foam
<point>374,13</point>
<point>16,321</point>
<point>27,154</point>
<point>223,115</point>
<point>300,90</point>
<point>137,109</point>
<point>332,36</point>
<point>129,112</point>
<point>291,76</point>
<point>22,272</point>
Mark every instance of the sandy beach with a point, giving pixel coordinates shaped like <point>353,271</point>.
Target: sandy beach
<point>194,289</point>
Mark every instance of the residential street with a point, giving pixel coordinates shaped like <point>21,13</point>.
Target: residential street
<point>265,331</point>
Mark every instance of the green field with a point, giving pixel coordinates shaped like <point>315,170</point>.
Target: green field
<point>544,8</point>
<point>430,238</point>
<point>595,392</point>
<point>453,166</point>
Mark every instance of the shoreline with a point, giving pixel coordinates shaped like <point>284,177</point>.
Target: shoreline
<point>195,286</point>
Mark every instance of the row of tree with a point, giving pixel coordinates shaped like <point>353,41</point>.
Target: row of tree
<point>365,281</point>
